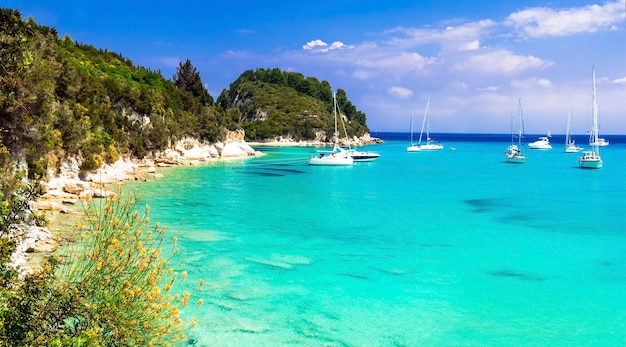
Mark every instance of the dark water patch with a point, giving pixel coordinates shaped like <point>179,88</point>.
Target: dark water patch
<point>529,220</point>
<point>507,273</point>
<point>353,275</point>
<point>293,171</point>
<point>250,331</point>
<point>481,205</point>
<point>262,173</point>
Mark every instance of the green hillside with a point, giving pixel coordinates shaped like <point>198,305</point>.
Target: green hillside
<point>275,103</point>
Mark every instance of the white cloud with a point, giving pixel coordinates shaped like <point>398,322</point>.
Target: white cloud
<point>314,44</point>
<point>470,46</point>
<point>402,62</point>
<point>501,62</point>
<point>488,89</point>
<point>542,21</point>
<point>321,46</point>
<point>400,92</point>
<point>620,80</point>
<point>532,83</point>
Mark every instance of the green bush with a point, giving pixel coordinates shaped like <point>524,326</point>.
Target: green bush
<point>112,288</point>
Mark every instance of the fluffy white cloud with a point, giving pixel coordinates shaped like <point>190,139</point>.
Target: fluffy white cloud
<point>321,46</point>
<point>532,83</point>
<point>501,62</point>
<point>400,92</point>
<point>542,21</point>
<point>402,62</point>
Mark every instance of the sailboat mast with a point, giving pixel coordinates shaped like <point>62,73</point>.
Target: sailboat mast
<point>411,129</point>
<point>424,121</point>
<point>521,124</point>
<point>594,118</point>
<point>567,130</point>
<point>335,115</point>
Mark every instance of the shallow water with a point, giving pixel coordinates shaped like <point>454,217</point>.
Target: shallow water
<point>454,247</point>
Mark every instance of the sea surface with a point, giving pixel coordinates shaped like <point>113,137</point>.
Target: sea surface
<point>444,248</point>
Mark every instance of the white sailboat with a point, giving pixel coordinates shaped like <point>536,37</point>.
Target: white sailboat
<point>570,145</point>
<point>514,154</point>
<point>413,147</point>
<point>431,144</point>
<point>337,156</point>
<point>357,156</point>
<point>591,159</point>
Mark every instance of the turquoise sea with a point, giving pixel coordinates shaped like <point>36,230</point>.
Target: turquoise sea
<point>446,248</point>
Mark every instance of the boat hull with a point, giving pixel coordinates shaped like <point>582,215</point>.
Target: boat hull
<point>601,143</point>
<point>573,149</point>
<point>331,161</point>
<point>517,159</point>
<point>363,156</point>
<point>590,160</point>
<point>432,147</point>
<point>413,148</point>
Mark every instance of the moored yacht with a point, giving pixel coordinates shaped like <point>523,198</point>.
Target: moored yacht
<point>542,143</point>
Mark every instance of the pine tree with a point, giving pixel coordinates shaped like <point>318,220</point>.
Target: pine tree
<point>187,78</point>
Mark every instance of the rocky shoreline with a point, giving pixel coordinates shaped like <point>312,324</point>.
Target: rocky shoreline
<point>64,192</point>
<point>290,142</point>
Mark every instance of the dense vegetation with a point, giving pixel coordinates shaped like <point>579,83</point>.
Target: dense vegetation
<point>59,98</point>
<point>274,103</point>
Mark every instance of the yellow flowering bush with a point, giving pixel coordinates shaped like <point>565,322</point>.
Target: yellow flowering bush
<point>121,280</point>
<point>113,287</point>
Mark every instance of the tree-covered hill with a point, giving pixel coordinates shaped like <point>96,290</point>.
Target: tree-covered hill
<point>60,98</point>
<point>274,103</point>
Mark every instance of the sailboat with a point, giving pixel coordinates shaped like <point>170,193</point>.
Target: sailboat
<point>431,144</point>
<point>357,156</point>
<point>337,156</point>
<point>570,146</point>
<point>413,147</point>
<point>514,154</point>
<point>591,159</point>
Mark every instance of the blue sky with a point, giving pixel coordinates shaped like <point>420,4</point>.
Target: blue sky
<point>473,59</point>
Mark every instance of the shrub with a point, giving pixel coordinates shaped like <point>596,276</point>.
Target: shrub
<point>112,288</point>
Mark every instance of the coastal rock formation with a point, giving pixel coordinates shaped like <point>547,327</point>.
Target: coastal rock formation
<point>31,239</point>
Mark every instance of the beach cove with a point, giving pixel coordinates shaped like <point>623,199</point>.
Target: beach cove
<point>413,249</point>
